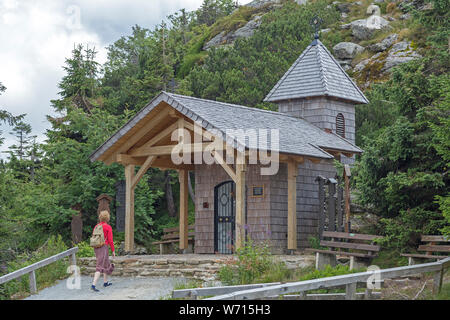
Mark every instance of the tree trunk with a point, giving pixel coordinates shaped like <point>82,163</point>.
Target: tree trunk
<point>169,197</point>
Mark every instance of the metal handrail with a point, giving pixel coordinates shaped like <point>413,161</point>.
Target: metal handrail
<point>33,267</point>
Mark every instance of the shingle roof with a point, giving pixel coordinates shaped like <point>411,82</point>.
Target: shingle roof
<point>296,136</point>
<point>316,73</point>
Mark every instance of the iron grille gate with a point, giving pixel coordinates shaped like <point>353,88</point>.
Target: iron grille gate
<point>224,217</point>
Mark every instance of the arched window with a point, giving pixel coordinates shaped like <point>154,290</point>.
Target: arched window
<point>340,125</point>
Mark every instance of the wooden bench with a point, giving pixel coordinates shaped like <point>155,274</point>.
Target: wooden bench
<point>433,249</point>
<point>171,236</point>
<point>358,247</point>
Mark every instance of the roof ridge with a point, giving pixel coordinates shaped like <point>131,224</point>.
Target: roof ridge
<point>286,74</point>
<point>322,73</point>
<point>232,105</point>
<point>343,71</point>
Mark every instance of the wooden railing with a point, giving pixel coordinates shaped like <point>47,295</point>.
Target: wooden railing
<point>350,282</point>
<point>31,269</point>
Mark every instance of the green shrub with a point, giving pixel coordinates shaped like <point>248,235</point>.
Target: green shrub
<point>328,271</point>
<point>85,250</point>
<point>45,276</point>
<point>254,264</point>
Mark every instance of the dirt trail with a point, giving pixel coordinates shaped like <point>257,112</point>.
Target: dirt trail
<point>139,288</point>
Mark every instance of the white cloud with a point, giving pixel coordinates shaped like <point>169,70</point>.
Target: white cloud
<point>37,35</point>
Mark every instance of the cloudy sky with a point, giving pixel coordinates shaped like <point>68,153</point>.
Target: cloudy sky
<point>37,35</point>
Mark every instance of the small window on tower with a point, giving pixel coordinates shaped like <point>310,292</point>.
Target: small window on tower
<point>340,125</point>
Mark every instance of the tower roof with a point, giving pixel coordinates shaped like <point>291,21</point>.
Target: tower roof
<point>316,73</point>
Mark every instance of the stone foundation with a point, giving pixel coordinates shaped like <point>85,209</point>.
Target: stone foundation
<point>190,266</point>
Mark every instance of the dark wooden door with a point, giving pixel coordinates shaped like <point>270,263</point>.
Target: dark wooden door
<point>224,217</point>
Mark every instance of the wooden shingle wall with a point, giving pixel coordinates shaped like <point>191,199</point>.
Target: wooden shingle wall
<point>322,112</point>
<point>267,215</point>
<point>258,208</point>
<point>307,203</point>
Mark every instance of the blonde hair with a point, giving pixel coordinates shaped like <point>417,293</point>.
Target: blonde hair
<point>104,216</point>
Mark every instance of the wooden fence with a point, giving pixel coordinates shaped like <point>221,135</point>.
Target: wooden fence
<point>350,281</point>
<point>31,269</point>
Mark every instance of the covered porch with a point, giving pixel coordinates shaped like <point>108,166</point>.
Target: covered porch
<point>169,126</point>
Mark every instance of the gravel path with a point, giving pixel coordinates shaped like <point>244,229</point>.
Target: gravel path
<point>139,288</point>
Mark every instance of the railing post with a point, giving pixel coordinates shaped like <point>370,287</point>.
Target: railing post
<point>73,259</point>
<point>350,291</point>
<point>368,294</point>
<point>33,287</point>
<point>437,281</point>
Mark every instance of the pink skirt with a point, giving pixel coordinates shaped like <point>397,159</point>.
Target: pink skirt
<point>103,263</point>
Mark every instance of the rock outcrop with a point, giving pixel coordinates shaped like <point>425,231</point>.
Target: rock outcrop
<point>400,52</point>
<point>347,50</point>
<point>384,44</point>
<point>228,38</point>
<point>363,29</point>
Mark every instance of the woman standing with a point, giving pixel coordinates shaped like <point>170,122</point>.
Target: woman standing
<point>102,253</point>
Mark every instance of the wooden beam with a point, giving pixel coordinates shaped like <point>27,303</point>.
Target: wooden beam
<point>166,132</point>
<point>314,160</point>
<point>240,205</point>
<point>183,178</point>
<point>347,175</point>
<point>231,172</point>
<point>125,159</point>
<point>168,149</point>
<point>142,170</point>
<point>129,208</point>
<point>133,139</point>
<point>292,205</point>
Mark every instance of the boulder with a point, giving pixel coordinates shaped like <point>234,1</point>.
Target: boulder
<point>384,44</point>
<point>247,30</point>
<point>347,50</point>
<point>363,29</point>
<point>342,7</point>
<point>261,3</point>
<point>216,41</point>
<point>361,65</point>
<point>228,38</point>
<point>400,52</point>
<point>373,10</point>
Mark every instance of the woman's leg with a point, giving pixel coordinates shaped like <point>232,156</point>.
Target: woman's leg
<point>105,278</point>
<point>96,277</point>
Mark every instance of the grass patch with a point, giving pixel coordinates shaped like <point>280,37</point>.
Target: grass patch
<point>444,294</point>
<point>389,259</point>
<point>45,276</point>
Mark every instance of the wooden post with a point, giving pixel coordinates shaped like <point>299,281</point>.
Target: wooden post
<point>340,220</point>
<point>347,174</point>
<point>33,286</point>
<point>350,291</point>
<point>321,181</point>
<point>129,208</point>
<point>437,281</point>
<point>73,259</point>
<point>292,205</point>
<point>240,203</point>
<point>331,205</point>
<point>183,178</point>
